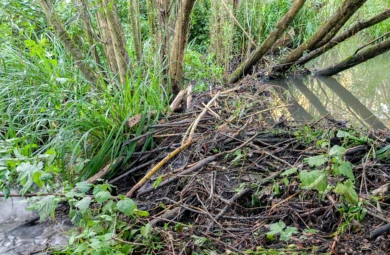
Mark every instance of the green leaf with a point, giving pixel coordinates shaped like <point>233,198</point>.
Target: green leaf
<point>145,230</point>
<point>83,187</point>
<point>6,192</point>
<point>83,204</point>
<point>157,182</point>
<point>347,190</point>
<point>102,196</point>
<point>199,240</point>
<point>314,180</point>
<point>126,206</point>
<point>26,174</point>
<point>289,171</point>
<point>336,151</point>
<point>45,207</point>
<point>142,213</point>
<point>277,227</point>
<point>316,161</point>
<point>343,168</point>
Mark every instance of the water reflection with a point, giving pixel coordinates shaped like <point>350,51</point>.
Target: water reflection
<point>315,97</point>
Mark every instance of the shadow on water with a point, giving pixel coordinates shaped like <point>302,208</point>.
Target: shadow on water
<point>360,95</point>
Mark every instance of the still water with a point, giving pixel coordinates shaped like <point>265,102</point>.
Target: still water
<point>360,96</point>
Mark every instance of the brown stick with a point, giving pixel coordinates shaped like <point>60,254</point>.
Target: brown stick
<point>280,27</point>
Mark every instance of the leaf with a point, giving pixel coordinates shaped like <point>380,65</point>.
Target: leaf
<point>83,204</point>
<point>314,180</point>
<point>157,182</point>
<point>289,171</point>
<point>277,227</point>
<point>199,240</point>
<point>26,172</point>
<point>343,168</point>
<point>6,192</point>
<point>316,161</point>
<point>45,207</point>
<point>126,206</point>
<point>347,190</point>
<point>142,213</point>
<point>145,230</point>
<point>83,187</point>
<point>102,196</point>
<point>336,150</point>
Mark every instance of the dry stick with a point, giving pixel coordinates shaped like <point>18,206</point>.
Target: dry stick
<point>190,140</point>
<point>240,194</point>
<point>283,201</point>
<point>197,166</point>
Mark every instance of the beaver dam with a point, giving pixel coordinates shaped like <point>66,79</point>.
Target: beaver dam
<point>239,172</point>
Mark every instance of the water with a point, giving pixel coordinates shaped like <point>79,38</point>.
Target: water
<point>19,236</point>
<point>360,95</point>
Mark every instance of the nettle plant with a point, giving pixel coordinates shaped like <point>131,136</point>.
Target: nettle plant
<point>326,165</point>
<point>100,218</point>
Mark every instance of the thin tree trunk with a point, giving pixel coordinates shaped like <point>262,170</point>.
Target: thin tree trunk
<point>357,27</point>
<point>283,23</point>
<point>65,38</point>
<point>347,9</point>
<point>135,27</point>
<point>107,40</point>
<point>356,59</point>
<point>118,41</point>
<point>351,101</point>
<point>179,43</point>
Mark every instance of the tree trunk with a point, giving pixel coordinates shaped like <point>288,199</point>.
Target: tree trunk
<point>351,101</point>
<point>348,8</point>
<point>179,43</point>
<point>357,27</point>
<point>283,23</point>
<point>135,27</point>
<point>107,40</point>
<point>356,59</point>
<point>65,38</point>
<point>118,41</point>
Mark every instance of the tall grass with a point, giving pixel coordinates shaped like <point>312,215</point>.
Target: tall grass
<point>46,102</point>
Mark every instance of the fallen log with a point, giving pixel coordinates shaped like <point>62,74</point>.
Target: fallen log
<point>355,59</point>
<point>357,27</point>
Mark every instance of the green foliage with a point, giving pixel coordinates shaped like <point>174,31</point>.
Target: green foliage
<point>279,228</point>
<point>347,190</point>
<point>314,180</point>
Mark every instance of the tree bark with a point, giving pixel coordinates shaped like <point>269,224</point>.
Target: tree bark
<point>283,23</point>
<point>347,9</point>
<point>179,43</point>
<point>356,59</point>
<point>350,100</point>
<point>357,27</point>
<point>135,27</point>
<point>107,40</point>
<point>118,41</point>
<point>69,44</point>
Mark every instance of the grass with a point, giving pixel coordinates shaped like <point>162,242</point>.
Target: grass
<point>44,101</point>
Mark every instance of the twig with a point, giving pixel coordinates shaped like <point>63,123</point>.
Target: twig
<point>283,201</point>
<point>127,242</point>
<point>158,166</point>
<point>370,42</point>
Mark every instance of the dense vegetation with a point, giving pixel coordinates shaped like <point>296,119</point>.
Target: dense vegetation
<point>63,114</point>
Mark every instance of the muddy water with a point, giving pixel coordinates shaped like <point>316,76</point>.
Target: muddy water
<point>360,96</point>
<point>18,235</point>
